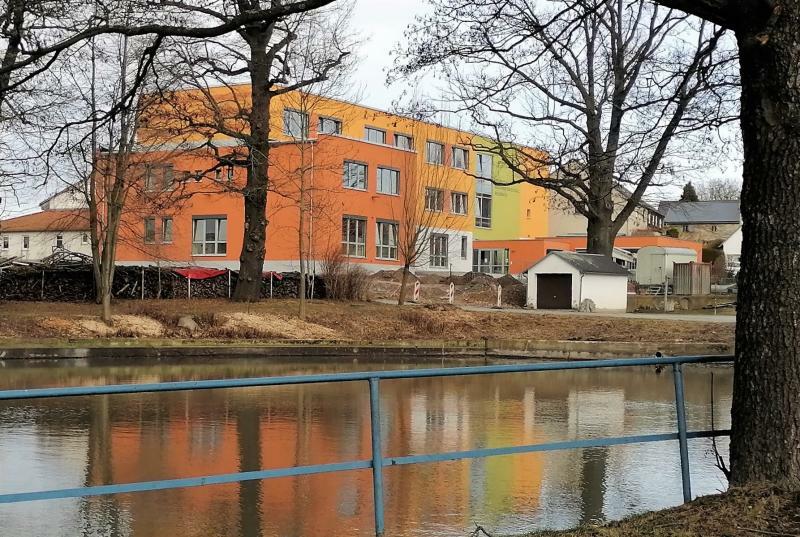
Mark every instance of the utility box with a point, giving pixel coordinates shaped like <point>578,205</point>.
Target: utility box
<point>692,278</point>
<point>655,263</point>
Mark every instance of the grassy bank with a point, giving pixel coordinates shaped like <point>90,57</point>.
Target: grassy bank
<point>738,513</point>
<point>276,320</point>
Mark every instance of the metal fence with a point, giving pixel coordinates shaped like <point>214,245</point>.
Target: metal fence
<point>378,461</point>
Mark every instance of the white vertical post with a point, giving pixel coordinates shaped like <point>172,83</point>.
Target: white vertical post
<point>451,293</point>
<point>42,291</point>
<point>499,296</point>
<point>189,288</point>
<point>270,284</point>
<point>142,292</point>
<point>416,291</point>
<point>229,283</point>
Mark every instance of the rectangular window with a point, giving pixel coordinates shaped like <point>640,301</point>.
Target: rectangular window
<point>26,242</point>
<point>354,236</point>
<point>355,175</point>
<point>5,243</point>
<point>168,177</point>
<point>435,152</point>
<point>438,251</point>
<point>159,177</point>
<point>209,236</point>
<point>166,230</point>
<point>374,135</point>
<point>483,166</point>
<point>434,199</point>
<point>483,210</point>
<point>59,241</point>
<point>386,241</point>
<point>329,125</point>
<point>295,124</point>
<point>403,141</point>
<point>150,180</point>
<point>458,203</point>
<point>459,158</point>
<point>149,230</point>
<point>388,181</point>
<point>492,261</point>
<point>85,238</point>
<point>464,247</point>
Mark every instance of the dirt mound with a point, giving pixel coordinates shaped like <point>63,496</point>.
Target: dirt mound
<point>507,280</point>
<point>273,326</point>
<point>123,326</point>
<point>394,275</point>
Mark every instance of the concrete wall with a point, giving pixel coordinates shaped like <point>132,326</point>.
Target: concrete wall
<point>562,219</point>
<point>68,199</point>
<point>41,244</point>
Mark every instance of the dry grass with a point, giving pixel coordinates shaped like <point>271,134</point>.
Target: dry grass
<point>771,511</point>
<point>356,321</point>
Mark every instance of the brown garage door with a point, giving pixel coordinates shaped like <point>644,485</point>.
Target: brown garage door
<point>554,291</point>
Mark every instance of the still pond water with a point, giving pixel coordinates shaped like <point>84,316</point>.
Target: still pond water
<point>71,442</point>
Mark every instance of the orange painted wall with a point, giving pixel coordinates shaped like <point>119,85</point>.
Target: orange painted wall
<point>525,252</point>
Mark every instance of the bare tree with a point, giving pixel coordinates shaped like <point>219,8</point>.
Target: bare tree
<point>720,189</point>
<point>605,92</point>
<point>427,208</point>
<point>218,108</point>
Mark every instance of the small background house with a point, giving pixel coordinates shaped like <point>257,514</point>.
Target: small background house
<point>563,280</point>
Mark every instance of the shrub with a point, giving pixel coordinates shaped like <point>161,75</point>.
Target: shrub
<point>343,280</point>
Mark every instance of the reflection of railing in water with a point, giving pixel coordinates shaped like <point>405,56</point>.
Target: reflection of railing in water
<point>378,461</point>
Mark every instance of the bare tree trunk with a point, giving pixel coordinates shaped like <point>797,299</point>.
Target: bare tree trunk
<point>765,442</point>
<point>600,236</point>
<point>302,240</point>
<point>403,282</point>
<point>251,260</point>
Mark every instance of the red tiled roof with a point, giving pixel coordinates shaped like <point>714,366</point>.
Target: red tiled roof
<point>65,220</point>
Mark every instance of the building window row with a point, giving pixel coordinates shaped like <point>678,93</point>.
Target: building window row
<point>150,232</point>
<point>435,198</point>
<point>159,177</point>
<point>209,235</point>
<point>490,261</point>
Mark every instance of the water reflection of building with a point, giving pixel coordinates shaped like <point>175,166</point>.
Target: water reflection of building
<point>157,436</point>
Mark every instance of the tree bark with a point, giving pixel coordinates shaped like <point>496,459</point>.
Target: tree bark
<point>403,282</point>
<point>765,441</point>
<point>251,259</point>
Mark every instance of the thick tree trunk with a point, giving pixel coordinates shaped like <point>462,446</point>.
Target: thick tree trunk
<point>600,236</point>
<point>251,259</point>
<point>765,443</point>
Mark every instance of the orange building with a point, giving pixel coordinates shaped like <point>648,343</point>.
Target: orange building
<point>362,176</point>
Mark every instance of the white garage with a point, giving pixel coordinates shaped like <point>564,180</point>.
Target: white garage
<point>563,280</point>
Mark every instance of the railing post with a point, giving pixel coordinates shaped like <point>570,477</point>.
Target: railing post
<point>377,453</point>
<point>680,408</point>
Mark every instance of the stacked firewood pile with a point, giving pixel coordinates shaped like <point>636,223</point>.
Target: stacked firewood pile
<point>75,283</point>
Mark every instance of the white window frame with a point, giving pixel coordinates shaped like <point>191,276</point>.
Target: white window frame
<point>438,254</point>
<point>481,220</point>
<point>354,245</point>
<point>437,196</point>
<point>428,155</point>
<point>218,243</point>
<point>5,242</point>
<point>149,239</point>
<point>409,139</point>
<point>455,205</point>
<point>462,163</point>
<point>291,117</point>
<point>84,238</point>
<point>483,165</point>
<point>164,221</point>
<point>386,250</point>
<point>26,243</point>
<point>335,121</point>
<point>394,181</point>
<point>368,132</point>
<point>464,247</point>
<point>159,177</point>
<point>346,182</point>
<point>60,240</point>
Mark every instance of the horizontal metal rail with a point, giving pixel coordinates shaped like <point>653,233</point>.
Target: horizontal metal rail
<point>378,462</point>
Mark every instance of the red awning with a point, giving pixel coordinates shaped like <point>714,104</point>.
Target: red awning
<point>199,273</point>
<point>276,275</point>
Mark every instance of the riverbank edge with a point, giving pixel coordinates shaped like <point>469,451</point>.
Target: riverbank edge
<point>503,348</point>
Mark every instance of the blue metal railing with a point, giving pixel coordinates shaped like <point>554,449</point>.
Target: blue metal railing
<point>378,461</point>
